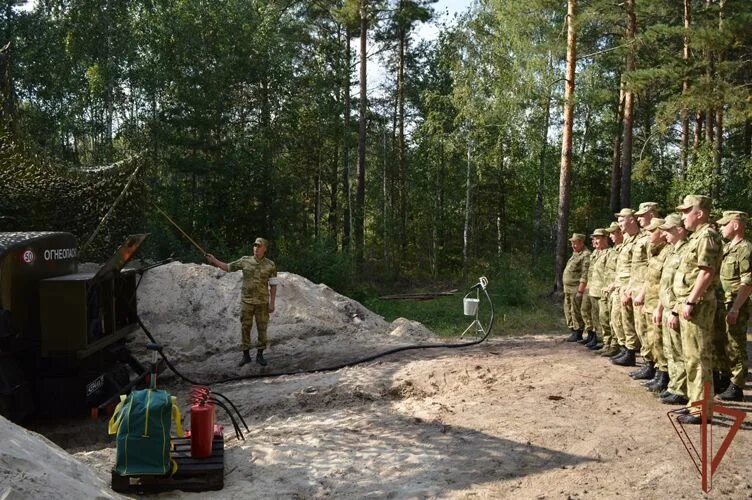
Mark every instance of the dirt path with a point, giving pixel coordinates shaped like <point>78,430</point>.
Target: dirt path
<point>527,417</point>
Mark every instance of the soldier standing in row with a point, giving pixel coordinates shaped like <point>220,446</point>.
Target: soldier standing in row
<point>595,287</point>
<point>575,282</point>
<point>668,317</point>
<point>613,345</point>
<point>733,309</point>
<point>630,229</point>
<point>658,251</point>
<point>696,301</point>
<point>637,283</point>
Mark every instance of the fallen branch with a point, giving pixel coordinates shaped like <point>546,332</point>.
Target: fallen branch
<point>418,296</point>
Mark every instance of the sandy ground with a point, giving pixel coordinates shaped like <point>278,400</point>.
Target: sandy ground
<point>528,417</point>
<point>520,417</point>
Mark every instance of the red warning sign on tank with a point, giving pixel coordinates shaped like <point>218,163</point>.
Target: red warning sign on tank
<point>28,256</point>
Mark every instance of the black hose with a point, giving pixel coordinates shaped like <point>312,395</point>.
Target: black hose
<point>238,433</point>
<point>215,393</point>
<point>330,368</point>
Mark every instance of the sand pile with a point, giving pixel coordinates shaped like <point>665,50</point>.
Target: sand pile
<point>33,467</point>
<point>194,310</point>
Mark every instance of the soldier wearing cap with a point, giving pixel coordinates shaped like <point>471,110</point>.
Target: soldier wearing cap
<point>730,346</point>
<point>258,295</point>
<point>575,282</point>
<point>666,314</point>
<point>630,229</point>
<point>597,274</point>
<point>695,294</point>
<point>657,251</point>
<point>613,339</point>
<point>640,257</point>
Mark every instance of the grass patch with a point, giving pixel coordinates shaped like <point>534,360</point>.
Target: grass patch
<point>443,315</point>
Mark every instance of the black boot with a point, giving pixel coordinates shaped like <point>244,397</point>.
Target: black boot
<point>588,338</point>
<point>647,372</point>
<point>674,399</point>
<point>660,384</point>
<point>246,358</point>
<point>597,346</point>
<point>627,360</point>
<point>576,336</point>
<point>653,380</point>
<point>260,357</point>
<point>621,352</point>
<point>732,393</point>
<point>593,341</point>
<point>721,383</point>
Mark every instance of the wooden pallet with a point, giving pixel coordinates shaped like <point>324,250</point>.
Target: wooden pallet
<point>193,474</point>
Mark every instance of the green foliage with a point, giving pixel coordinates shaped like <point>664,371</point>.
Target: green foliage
<point>317,260</point>
<point>239,106</point>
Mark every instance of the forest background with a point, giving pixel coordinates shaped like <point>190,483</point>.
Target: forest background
<point>246,117</point>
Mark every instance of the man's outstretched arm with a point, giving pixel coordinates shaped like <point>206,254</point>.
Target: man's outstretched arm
<point>217,263</point>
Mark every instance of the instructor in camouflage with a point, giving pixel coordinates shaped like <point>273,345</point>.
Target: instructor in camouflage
<point>258,295</point>
<point>733,308</point>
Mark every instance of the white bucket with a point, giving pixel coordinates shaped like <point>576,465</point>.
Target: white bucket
<point>470,306</point>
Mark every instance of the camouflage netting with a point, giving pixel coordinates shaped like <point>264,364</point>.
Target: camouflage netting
<point>36,195</point>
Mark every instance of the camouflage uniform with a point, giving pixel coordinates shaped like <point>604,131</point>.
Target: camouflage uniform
<point>730,346</point>
<point>254,297</point>
<point>657,259</point>
<point>600,299</point>
<point>575,272</point>
<point>640,254</point>
<point>672,342</point>
<point>613,300</point>
<point>594,291</point>
<point>704,249</point>
<point>623,274</point>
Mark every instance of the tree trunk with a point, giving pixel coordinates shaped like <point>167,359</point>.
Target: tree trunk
<point>7,109</point>
<point>402,162</point>
<point>718,144</point>
<point>317,200</point>
<point>333,195</point>
<point>566,148</point>
<point>501,215</point>
<point>360,194</point>
<point>347,219</point>
<point>626,161</point>
<point>385,201</point>
<point>466,229</point>
<point>685,89</point>
<point>747,140</point>
<point>267,196</point>
<point>615,201</point>
<point>537,236</point>
<point>699,120</point>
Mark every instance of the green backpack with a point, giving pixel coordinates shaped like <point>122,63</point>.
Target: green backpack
<point>142,422</point>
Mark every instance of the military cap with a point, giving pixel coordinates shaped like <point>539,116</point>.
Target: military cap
<point>261,241</point>
<point>646,207</point>
<point>599,232</point>
<point>654,224</point>
<point>671,221</point>
<point>696,200</point>
<point>730,215</point>
<point>624,212</point>
<point>577,236</point>
<point>613,227</point>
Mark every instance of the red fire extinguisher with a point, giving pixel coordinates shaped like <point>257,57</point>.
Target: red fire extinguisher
<point>202,422</point>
